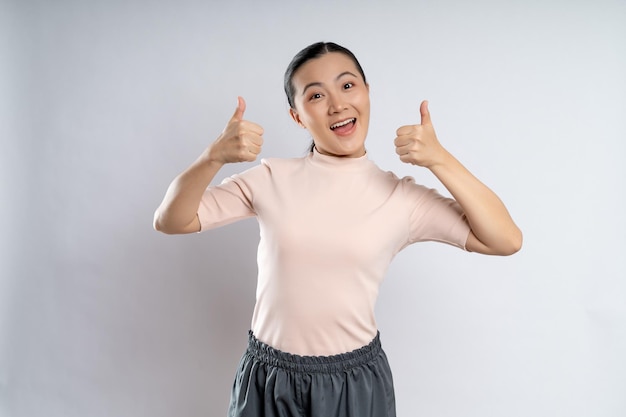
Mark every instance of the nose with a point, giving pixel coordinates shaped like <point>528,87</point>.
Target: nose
<point>336,104</point>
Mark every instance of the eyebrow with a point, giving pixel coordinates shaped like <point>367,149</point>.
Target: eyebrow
<point>319,84</point>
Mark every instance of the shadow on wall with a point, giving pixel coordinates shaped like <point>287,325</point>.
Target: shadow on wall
<point>198,296</point>
<point>213,274</point>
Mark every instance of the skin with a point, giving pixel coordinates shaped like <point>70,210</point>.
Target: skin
<point>493,231</point>
<point>329,89</point>
<point>240,141</point>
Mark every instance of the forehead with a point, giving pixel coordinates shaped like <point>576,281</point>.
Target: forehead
<point>324,69</point>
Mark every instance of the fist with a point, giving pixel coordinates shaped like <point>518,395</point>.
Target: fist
<point>418,144</point>
<point>240,141</point>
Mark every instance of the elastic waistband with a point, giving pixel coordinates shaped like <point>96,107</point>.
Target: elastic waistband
<point>327,364</point>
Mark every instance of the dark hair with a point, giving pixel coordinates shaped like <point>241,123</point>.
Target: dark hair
<point>314,51</point>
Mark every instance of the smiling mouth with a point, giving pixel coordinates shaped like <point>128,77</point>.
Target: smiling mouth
<point>343,123</point>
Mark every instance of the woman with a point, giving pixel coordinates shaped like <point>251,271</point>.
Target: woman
<point>330,224</point>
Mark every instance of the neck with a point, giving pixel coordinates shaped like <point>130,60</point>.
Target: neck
<point>358,154</point>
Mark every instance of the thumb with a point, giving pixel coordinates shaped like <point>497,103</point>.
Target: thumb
<point>425,113</point>
<point>241,108</point>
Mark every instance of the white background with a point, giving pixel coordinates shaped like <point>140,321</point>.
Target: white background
<point>102,103</point>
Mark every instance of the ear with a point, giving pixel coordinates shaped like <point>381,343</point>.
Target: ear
<point>296,117</point>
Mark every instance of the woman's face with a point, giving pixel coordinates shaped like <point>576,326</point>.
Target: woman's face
<point>332,102</point>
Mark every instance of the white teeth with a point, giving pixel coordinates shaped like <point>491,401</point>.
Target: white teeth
<point>345,122</point>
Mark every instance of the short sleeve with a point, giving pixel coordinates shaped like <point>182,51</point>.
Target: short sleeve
<point>233,199</point>
<point>434,217</point>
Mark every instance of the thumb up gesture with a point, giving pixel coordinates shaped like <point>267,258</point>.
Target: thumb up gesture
<point>240,141</point>
<point>418,144</point>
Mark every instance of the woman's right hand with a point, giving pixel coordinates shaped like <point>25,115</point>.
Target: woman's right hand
<point>240,141</point>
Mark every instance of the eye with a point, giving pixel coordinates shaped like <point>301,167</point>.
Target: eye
<point>315,96</point>
<point>347,86</point>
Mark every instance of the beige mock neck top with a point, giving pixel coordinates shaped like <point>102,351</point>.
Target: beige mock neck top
<point>329,227</point>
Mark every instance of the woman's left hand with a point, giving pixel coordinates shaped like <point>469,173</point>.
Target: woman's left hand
<point>418,144</point>
<point>492,229</point>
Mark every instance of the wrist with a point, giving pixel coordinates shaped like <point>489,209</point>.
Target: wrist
<point>212,158</point>
<point>444,159</point>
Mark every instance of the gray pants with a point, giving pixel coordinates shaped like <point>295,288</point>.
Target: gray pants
<point>271,383</point>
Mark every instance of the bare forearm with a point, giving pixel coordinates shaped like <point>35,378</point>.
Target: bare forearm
<point>178,211</point>
<point>492,229</point>
<point>240,141</point>
<point>488,218</point>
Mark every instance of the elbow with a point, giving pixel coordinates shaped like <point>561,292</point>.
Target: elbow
<point>505,244</point>
<point>170,226</point>
<point>156,222</point>
<point>159,225</point>
<point>513,245</point>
